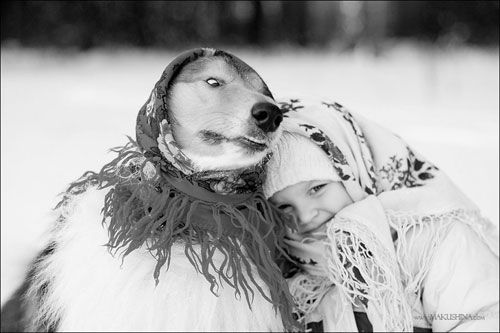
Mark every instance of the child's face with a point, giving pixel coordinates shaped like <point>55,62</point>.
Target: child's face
<point>312,202</point>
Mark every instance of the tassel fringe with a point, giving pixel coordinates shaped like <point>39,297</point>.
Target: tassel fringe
<point>436,226</point>
<point>308,291</point>
<point>142,209</point>
<point>366,272</point>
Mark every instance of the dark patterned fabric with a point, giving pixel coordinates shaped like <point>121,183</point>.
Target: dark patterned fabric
<point>154,126</point>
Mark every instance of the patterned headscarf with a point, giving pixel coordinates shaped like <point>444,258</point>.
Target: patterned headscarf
<point>378,170</point>
<point>157,196</point>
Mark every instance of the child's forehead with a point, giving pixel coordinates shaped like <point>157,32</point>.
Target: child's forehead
<point>301,187</point>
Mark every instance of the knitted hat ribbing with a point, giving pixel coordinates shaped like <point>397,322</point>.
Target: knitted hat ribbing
<point>296,159</point>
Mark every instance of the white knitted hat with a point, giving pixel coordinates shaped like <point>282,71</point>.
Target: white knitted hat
<point>296,159</point>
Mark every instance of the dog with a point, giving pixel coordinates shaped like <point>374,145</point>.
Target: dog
<point>223,117</point>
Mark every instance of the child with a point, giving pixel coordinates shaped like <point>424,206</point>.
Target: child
<point>379,230</point>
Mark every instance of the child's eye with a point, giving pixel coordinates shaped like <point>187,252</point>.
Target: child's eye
<point>285,208</point>
<point>213,82</point>
<point>316,188</point>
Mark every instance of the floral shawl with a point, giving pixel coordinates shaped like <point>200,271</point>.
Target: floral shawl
<point>400,189</point>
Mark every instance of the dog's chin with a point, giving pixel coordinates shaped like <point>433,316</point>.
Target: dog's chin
<point>227,156</point>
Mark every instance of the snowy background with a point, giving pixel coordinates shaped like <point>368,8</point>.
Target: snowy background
<point>60,112</point>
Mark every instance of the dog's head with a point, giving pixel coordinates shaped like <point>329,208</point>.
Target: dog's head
<point>223,115</point>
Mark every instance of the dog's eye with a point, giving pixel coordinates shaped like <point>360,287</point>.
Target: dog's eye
<point>213,82</point>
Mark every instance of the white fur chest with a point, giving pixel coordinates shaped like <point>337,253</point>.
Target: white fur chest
<point>92,291</point>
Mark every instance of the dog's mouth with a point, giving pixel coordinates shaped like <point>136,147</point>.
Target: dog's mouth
<point>247,142</point>
<point>251,143</point>
<point>212,138</point>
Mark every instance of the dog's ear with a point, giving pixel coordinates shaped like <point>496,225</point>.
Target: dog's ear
<point>187,72</point>
<point>244,69</point>
<point>265,91</point>
<point>176,70</point>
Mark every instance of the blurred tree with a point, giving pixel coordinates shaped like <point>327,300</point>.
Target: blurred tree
<point>87,24</point>
<point>295,20</point>
<point>324,24</point>
<point>467,21</point>
<point>255,27</point>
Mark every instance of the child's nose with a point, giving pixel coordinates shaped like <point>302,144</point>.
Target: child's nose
<point>306,215</point>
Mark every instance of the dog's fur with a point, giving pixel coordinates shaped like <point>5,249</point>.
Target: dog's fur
<point>89,290</point>
<point>213,124</point>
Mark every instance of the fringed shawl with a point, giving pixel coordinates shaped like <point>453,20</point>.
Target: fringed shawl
<point>399,190</point>
<point>157,197</point>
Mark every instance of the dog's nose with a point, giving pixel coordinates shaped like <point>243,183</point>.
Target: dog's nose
<point>268,116</point>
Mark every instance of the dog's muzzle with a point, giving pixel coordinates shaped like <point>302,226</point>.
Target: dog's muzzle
<point>267,116</point>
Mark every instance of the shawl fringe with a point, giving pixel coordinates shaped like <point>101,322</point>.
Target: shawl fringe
<point>142,209</point>
<point>365,271</point>
<point>436,226</point>
<point>308,291</point>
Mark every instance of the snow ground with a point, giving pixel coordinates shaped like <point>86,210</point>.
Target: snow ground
<point>60,113</point>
